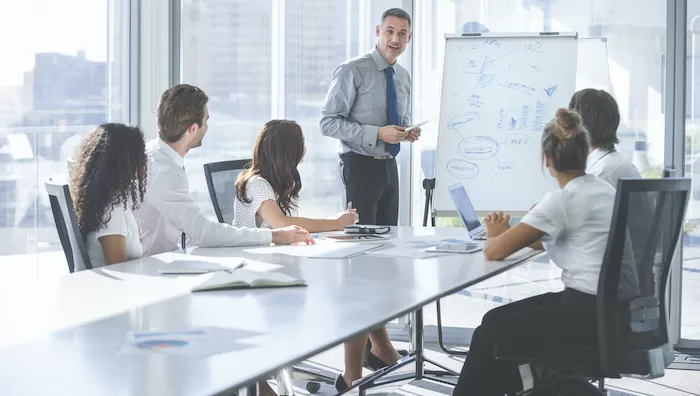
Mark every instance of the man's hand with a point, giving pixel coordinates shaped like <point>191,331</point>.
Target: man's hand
<point>291,235</point>
<point>413,135</point>
<point>496,224</point>
<point>392,134</point>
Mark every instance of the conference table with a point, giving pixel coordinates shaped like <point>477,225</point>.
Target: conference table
<point>68,336</point>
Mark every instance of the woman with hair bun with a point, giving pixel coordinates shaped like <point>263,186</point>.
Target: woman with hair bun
<point>572,224</point>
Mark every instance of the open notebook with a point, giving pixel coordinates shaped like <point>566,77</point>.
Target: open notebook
<point>239,279</point>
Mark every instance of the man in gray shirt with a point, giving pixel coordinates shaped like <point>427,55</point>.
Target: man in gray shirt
<point>368,108</point>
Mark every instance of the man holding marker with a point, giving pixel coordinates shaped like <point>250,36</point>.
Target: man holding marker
<point>368,108</point>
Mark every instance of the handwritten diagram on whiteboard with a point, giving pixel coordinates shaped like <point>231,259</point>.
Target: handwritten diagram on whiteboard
<point>498,94</point>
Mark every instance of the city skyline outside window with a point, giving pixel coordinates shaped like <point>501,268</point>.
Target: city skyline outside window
<point>64,75</point>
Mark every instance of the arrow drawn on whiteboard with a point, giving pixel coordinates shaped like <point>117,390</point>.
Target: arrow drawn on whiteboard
<point>550,91</point>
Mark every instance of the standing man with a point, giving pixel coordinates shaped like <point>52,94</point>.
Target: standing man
<point>368,108</point>
<point>168,210</point>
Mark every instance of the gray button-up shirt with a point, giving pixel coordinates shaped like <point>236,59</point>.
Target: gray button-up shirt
<point>355,107</point>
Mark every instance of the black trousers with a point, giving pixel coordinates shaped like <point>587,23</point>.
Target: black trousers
<point>567,317</point>
<point>372,185</point>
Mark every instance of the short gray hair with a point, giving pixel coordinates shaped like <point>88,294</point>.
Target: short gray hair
<point>396,12</point>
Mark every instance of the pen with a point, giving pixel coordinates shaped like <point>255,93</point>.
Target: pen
<point>239,266</point>
<point>350,205</point>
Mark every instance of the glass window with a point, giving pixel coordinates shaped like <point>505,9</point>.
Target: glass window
<point>227,51</point>
<point>59,84</point>
<point>258,63</point>
<point>690,322</point>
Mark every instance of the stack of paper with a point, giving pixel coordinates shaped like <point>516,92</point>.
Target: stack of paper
<point>328,250</point>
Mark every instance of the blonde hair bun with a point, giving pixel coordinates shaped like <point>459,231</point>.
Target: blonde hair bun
<point>567,122</point>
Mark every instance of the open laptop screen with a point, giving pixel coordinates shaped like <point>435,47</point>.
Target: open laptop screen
<point>464,208</point>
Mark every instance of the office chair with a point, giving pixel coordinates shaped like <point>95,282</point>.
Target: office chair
<point>632,320</point>
<point>67,225</point>
<point>221,182</point>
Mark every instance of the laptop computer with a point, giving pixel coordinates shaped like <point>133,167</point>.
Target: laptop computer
<point>466,211</point>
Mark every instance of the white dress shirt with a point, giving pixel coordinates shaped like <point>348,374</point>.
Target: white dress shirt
<point>610,166</point>
<point>169,210</point>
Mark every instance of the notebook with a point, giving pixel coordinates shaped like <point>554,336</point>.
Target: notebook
<point>239,279</point>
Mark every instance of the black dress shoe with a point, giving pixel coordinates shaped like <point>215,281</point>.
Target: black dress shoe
<point>375,363</point>
<point>340,384</point>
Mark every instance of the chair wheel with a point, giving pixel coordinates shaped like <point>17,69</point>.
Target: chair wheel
<point>313,386</point>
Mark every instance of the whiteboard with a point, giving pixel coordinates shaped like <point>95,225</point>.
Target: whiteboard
<point>498,93</point>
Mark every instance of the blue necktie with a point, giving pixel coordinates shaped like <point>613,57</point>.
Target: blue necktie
<point>392,106</point>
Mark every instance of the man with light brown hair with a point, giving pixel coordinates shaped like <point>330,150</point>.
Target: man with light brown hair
<point>168,210</point>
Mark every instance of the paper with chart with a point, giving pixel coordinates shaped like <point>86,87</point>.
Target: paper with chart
<point>498,94</point>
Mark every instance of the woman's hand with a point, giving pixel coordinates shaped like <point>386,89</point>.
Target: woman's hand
<point>496,224</point>
<point>347,218</point>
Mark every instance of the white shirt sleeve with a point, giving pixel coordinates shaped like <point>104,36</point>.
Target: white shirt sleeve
<point>548,215</point>
<point>169,193</point>
<point>116,223</point>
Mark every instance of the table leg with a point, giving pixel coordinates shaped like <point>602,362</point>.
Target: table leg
<point>416,329</point>
<point>284,382</point>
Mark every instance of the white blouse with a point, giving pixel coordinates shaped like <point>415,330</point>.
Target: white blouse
<point>258,190</point>
<point>121,222</point>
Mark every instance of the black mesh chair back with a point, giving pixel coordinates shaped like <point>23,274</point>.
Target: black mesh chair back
<point>632,319</point>
<point>221,182</point>
<point>67,227</point>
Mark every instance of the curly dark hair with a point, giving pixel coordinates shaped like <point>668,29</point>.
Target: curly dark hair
<point>278,151</point>
<point>109,170</point>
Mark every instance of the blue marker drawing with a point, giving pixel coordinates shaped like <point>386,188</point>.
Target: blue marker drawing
<point>503,167</point>
<point>518,140</point>
<point>540,112</point>
<point>524,117</point>
<point>478,147</point>
<point>462,169</point>
<point>519,87</point>
<point>550,90</point>
<point>513,122</point>
<point>463,123</point>
<point>485,80</point>
<point>475,101</point>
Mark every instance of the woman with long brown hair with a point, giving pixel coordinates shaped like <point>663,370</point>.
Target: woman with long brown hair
<point>267,193</point>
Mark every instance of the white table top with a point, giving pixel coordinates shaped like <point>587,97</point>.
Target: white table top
<point>66,336</point>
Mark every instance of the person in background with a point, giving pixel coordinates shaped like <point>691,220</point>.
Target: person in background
<point>572,224</point>
<point>107,182</point>
<point>368,108</point>
<point>267,193</point>
<point>169,214</point>
<point>601,117</point>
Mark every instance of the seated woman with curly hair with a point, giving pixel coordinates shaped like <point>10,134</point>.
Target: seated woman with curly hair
<point>108,182</point>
